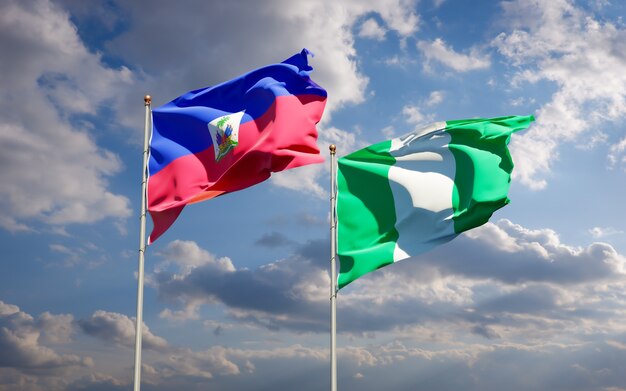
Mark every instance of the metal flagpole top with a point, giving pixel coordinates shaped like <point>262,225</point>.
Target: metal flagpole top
<point>332,148</point>
<point>147,99</point>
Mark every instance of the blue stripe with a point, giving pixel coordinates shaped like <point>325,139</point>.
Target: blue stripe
<point>180,126</point>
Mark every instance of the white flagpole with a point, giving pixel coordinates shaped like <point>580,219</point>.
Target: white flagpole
<point>333,270</point>
<point>142,246</point>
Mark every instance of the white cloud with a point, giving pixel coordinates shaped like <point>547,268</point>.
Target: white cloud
<point>189,311</point>
<point>21,338</point>
<point>522,101</point>
<point>100,381</point>
<point>56,328</point>
<point>8,309</point>
<point>395,60</point>
<point>438,51</point>
<point>435,98</point>
<point>344,140</point>
<point>400,61</point>
<point>202,364</point>
<point>366,363</point>
<point>73,256</point>
<point>371,29</point>
<point>187,255</point>
<point>302,179</point>
<point>584,58</point>
<point>388,132</point>
<point>511,284</point>
<point>52,170</point>
<point>188,365</point>
<point>552,260</point>
<point>11,225</point>
<point>602,232</point>
<point>617,155</point>
<point>413,115</point>
<point>506,269</point>
<point>283,293</point>
<point>119,329</point>
<point>323,27</point>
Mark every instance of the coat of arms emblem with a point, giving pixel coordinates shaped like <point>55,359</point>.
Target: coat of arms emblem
<point>225,133</point>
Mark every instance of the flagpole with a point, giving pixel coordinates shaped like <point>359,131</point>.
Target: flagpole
<point>142,247</point>
<point>333,270</point>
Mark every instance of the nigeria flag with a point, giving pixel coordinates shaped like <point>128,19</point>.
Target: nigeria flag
<point>402,197</point>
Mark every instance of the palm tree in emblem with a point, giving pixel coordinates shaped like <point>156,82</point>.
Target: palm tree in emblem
<point>223,136</point>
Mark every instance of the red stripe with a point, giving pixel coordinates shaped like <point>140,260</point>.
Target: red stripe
<point>162,221</point>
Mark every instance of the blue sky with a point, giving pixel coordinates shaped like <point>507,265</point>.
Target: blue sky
<point>237,290</point>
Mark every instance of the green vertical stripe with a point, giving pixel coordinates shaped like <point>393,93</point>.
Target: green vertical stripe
<point>483,167</point>
<point>366,208</point>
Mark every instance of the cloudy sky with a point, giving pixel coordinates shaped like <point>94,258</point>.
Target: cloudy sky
<point>237,290</point>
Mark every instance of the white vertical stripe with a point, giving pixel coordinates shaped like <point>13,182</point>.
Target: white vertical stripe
<point>422,181</point>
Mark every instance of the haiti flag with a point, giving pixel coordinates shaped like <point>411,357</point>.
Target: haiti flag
<point>225,138</point>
